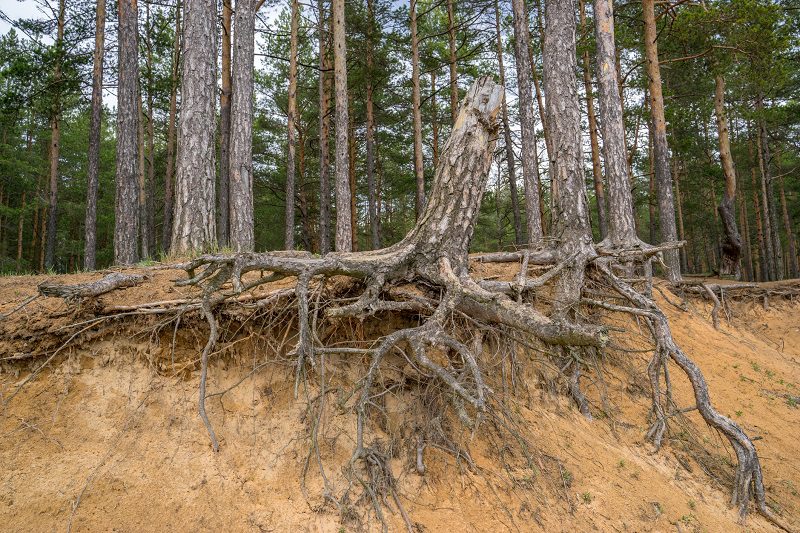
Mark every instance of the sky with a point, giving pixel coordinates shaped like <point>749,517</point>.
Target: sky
<point>16,9</point>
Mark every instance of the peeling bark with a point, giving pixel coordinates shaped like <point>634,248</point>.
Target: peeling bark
<point>731,241</point>
<point>344,237</point>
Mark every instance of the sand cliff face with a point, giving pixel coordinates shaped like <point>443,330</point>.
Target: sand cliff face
<point>108,439</point>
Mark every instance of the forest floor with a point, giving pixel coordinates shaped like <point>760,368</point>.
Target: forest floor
<point>107,438</point>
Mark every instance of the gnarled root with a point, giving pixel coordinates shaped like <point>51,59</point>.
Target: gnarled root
<point>749,481</point>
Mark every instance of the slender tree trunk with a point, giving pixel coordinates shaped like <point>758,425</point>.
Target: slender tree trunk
<point>419,200</point>
<point>434,120</point>
<point>770,208</point>
<point>324,131</point>
<point>371,189</point>
<point>622,222</point>
<point>20,227</point>
<point>747,249</point>
<point>529,156</point>
<point>242,237</point>
<point>451,44</point>
<point>510,162</point>
<point>291,118</point>
<point>302,196</point>
<point>548,143</point>
<point>597,172</point>
<point>344,237</point>
<point>732,241</point>
<point>764,268</point>
<point>195,224</point>
<point>351,173</point>
<point>788,225</point>
<point>55,141</point>
<point>144,235</point>
<point>651,192</point>
<point>151,162</point>
<point>681,229</point>
<point>571,225</point>
<point>169,178</point>
<point>223,194</point>
<point>666,202</point>
<point>766,208</point>
<point>90,227</point>
<point>126,229</point>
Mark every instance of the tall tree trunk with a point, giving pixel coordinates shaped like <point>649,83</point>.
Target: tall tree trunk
<point>597,173</point>
<point>351,173</point>
<point>144,235</point>
<point>291,118</point>
<point>651,191</point>
<point>324,131</point>
<point>529,156</point>
<point>770,209</point>
<point>90,226</point>
<point>451,45</point>
<point>169,178</point>
<point>731,241</point>
<point>622,222</point>
<point>788,225</point>
<point>241,155</point>
<point>512,173</point>
<point>766,211</point>
<point>55,140</point>
<point>747,249</point>
<point>764,268</point>
<point>126,224</point>
<point>151,162</point>
<point>20,227</point>
<point>419,199</point>
<point>666,202</point>
<point>434,120</point>
<point>681,228</point>
<point>224,192</point>
<point>371,189</point>
<point>195,224</point>
<point>571,225</point>
<point>548,143</point>
<point>344,238</point>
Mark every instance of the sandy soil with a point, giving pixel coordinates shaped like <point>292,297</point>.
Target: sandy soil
<point>108,439</point>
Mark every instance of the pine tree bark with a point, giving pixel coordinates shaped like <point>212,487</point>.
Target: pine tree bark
<point>371,189</point>
<point>144,234</point>
<point>770,208</point>
<point>622,222</point>
<point>344,238</point>
<point>666,201</point>
<point>788,225</point>
<point>95,124</point>
<point>324,132</point>
<point>529,155</point>
<point>20,227</point>
<point>242,237</point>
<point>679,209</point>
<point>451,46</point>
<point>195,224</point>
<point>169,177</point>
<point>766,208</point>
<point>571,227</point>
<point>291,118</point>
<point>747,248</point>
<point>597,172</point>
<point>351,173</point>
<point>223,194</point>
<point>731,241</point>
<point>55,141</point>
<point>151,162</point>
<point>764,268</point>
<point>434,120</point>
<point>419,176</point>
<point>509,146</point>
<point>126,224</point>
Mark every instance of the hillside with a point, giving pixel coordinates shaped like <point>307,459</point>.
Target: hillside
<point>107,437</point>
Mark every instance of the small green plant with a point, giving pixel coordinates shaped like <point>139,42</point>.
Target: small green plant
<point>692,505</point>
<point>736,365</point>
<point>770,374</point>
<point>566,476</point>
<point>755,367</point>
<point>791,402</point>
<point>658,508</point>
<point>587,497</point>
<point>738,413</point>
<point>621,464</point>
